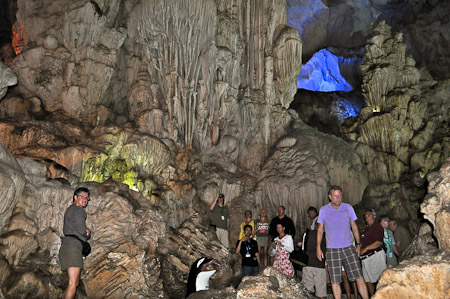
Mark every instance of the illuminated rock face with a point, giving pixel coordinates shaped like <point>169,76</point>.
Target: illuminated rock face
<point>346,24</point>
<point>397,132</point>
<point>334,23</point>
<point>322,73</point>
<point>175,80</point>
<point>166,97</point>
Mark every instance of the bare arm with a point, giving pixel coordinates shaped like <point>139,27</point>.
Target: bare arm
<point>238,248</point>
<point>319,252</point>
<point>374,245</point>
<point>213,204</point>
<point>395,248</point>
<point>397,244</point>
<point>356,235</point>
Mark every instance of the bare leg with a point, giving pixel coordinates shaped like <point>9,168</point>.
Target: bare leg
<point>336,287</point>
<point>265,256</point>
<point>346,284</point>
<point>74,279</point>
<point>261,255</point>
<point>362,288</point>
<point>355,290</point>
<point>371,288</point>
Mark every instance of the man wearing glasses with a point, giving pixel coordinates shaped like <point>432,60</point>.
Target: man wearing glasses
<point>74,229</point>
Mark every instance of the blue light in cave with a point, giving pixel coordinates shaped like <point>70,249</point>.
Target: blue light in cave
<point>323,73</point>
<point>345,109</point>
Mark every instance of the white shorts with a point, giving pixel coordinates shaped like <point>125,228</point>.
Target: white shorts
<point>222,235</point>
<point>315,279</point>
<point>373,266</point>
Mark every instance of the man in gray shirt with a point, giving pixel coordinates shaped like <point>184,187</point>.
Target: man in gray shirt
<point>70,256</point>
<point>401,236</point>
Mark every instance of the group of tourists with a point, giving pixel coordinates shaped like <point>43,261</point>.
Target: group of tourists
<point>260,242</point>
<point>336,251</point>
<point>274,240</point>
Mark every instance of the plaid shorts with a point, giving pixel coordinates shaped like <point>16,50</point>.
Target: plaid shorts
<point>347,257</point>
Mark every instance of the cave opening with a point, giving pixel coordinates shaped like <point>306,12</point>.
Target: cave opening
<point>329,89</point>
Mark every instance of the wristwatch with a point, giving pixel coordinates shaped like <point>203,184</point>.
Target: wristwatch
<point>358,244</point>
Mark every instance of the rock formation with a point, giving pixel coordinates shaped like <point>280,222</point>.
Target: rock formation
<point>178,91</point>
<point>135,94</point>
<point>425,271</point>
<point>398,132</point>
<point>268,284</point>
<point>7,78</point>
<point>158,106</point>
<point>304,164</point>
<point>436,206</point>
<point>180,248</point>
<point>420,277</point>
<point>346,25</point>
<point>125,235</point>
<point>190,96</point>
<point>423,243</point>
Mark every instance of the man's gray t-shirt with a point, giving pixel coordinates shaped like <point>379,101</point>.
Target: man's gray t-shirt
<point>75,224</point>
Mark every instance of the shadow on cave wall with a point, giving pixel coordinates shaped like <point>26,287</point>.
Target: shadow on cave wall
<point>327,111</point>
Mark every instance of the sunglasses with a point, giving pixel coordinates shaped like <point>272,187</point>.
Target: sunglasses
<point>84,197</point>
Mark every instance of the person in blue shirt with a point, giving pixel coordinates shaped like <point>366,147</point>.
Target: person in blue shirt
<point>389,242</point>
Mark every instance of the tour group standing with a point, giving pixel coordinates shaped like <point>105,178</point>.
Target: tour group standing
<point>346,255</point>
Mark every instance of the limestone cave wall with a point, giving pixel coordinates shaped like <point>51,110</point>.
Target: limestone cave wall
<point>157,106</point>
